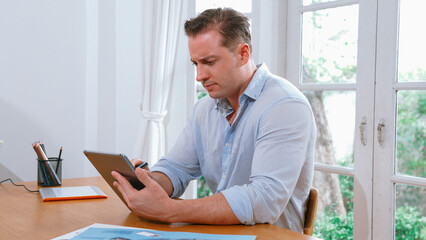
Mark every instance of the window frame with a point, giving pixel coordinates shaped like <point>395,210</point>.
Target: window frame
<point>376,87</point>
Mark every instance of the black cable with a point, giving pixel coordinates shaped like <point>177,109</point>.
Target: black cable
<point>18,185</point>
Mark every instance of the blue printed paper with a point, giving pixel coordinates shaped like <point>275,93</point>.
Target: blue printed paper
<point>141,234</point>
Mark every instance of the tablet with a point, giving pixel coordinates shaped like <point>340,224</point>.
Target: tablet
<point>105,163</point>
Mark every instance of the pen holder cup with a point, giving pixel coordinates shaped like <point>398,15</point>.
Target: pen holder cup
<point>49,173</point>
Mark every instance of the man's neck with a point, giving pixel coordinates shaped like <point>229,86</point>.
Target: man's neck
<point>234,100</point>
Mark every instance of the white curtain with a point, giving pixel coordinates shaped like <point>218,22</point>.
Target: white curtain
<point>162,25</point>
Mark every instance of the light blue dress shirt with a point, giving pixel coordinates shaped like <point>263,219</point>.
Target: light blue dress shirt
<point>263,163</point>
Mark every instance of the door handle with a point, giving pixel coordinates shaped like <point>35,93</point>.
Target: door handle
<point>362,126</point>
<point>380,133</point>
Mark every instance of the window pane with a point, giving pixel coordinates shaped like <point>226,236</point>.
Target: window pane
<point>334,113</point>
<point>243,6</point>
<point>309,2</point>
<point>410,213</point>
<point>412,47</point>
<point>335,206</point>
<point>329,50</point>
<point>411,133</point>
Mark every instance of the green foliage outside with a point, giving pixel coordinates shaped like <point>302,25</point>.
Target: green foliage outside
<point>201,95</point>
<point>334,226</point>
<point>203,189</point>
<point>409,224</point>
<point>331,225</point>
<point>411,128</point>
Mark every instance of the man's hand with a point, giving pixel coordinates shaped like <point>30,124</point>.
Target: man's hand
<point>152,202</point>
<point>136,162</point>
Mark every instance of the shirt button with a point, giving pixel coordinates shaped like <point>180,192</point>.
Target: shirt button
<point>223,176</point>
<point>227,144</point>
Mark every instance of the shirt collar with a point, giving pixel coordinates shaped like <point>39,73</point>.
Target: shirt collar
<point>257,83</point>
<point>253,90</point>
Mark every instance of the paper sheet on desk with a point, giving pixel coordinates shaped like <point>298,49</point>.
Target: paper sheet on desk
<point>104,231</point>
<point>70,235</point>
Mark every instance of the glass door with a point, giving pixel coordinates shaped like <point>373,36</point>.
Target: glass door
<point>362,64</point>
<point>400,119</point>
<point>338,79</point>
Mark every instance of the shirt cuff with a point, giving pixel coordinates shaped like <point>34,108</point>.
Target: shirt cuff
<point>240,203</point>
<point>173,178</point>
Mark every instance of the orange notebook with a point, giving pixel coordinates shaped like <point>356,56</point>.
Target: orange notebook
<point>70,193</point>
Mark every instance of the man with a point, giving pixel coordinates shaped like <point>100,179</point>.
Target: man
<point>252,139</point>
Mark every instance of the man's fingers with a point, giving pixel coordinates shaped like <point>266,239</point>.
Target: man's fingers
<point>144,176</point>
<point>123,193</point>
<point>136,162</point>
<point>123,184</point>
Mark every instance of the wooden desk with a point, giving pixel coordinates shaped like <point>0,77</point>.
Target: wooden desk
<point>24,216</point>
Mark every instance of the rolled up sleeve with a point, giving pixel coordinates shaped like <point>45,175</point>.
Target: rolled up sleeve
<point>240,203</point>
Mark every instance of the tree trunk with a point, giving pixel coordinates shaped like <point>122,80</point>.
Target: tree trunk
<point>328,185</point>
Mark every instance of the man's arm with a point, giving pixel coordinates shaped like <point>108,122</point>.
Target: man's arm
<point>153,202</point>
<point>164,181</point>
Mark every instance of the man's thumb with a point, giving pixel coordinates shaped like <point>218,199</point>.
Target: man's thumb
<point>143,176</point>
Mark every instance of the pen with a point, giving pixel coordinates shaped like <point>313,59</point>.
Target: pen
<point>59,159</point>
<point>143,165</point>
<point>60,152</point>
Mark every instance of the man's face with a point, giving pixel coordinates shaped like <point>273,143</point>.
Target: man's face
<point>218,69</point>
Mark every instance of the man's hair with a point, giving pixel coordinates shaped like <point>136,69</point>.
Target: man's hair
<point>232,25</point>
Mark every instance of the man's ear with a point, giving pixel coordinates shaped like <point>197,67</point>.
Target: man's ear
<point>243,53</point>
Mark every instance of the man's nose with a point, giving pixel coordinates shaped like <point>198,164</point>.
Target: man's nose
<point>201,74</point>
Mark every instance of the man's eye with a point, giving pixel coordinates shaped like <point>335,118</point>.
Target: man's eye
<point>194,63</point>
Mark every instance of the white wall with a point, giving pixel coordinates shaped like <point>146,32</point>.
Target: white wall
<point>70,76</point>
<point>42,79</point>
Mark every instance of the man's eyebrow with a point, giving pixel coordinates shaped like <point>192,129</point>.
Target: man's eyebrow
<point>204,58</point>
<point>208,57</point>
